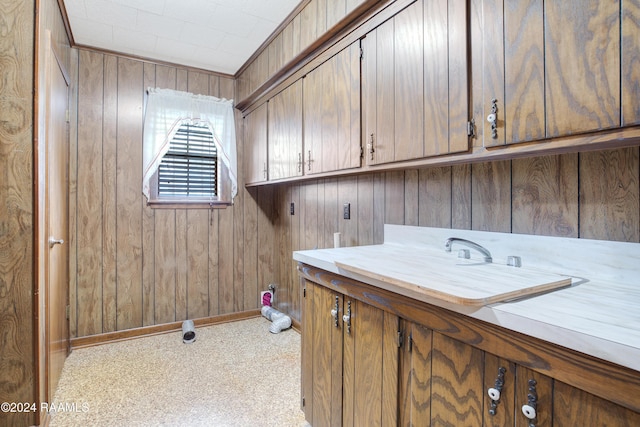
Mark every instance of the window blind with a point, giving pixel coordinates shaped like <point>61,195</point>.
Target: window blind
<point>190,167</point>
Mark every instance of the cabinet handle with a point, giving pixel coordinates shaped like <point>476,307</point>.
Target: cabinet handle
<point>299,162</point>
<point>493,118</point>
<point>264,170</point>
<point>370,148</point>
<point>334,312</point>
<point>347,317</point>
<point>529,410</point>
<point>309,161</point>
<point>495,391</point>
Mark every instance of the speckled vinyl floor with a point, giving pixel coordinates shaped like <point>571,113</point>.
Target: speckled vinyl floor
<point>234,374</point>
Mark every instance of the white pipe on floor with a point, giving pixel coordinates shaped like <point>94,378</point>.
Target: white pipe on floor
<point>280,321</point>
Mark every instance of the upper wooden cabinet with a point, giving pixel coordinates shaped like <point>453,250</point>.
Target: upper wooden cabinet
<point>415,83</point>
<point>551,69</point>
<point>331,112</point>
<point>255,145</point>
<point>285,133</point>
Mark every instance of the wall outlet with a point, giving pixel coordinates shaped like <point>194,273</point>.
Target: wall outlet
<point>346,211</point>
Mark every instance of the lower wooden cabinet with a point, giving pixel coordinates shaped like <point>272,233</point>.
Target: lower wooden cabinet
<point>366,361</point>
<point>349,361</point>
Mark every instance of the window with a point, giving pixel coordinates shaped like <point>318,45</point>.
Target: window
<point>190,167</point>
<point>189,151</point>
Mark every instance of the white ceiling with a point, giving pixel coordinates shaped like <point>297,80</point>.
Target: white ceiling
<point>216,35</point>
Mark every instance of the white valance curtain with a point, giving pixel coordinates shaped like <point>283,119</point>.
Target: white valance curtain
<point>167,109</point>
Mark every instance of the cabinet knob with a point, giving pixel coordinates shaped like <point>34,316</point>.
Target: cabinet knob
<point>494,393</point>
<point>529,411</point>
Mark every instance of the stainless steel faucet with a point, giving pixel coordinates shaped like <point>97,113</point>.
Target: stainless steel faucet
<point>469,243</point>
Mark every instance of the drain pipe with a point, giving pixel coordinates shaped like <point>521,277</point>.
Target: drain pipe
<point>280,321</point>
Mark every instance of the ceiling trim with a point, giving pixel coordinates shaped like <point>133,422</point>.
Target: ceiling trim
<point>150,60</point>
<point>264,45</point>
<point>74,45</point>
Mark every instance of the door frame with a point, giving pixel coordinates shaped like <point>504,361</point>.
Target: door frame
<point>49,55</point>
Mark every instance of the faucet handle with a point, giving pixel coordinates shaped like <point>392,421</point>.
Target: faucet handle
<point>514,261</point>
<point>464,253</point>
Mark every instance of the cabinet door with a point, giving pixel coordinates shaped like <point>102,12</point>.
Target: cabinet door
<point>332,113</point>
<point>370,368</point>
<point>456,383</point>
<point>415,376</point>
<point>415,83</point>
<point>539,386</point>
<point>499,375</point>
<point>285,133</point>
<point>322,356</point>
<point>553,68</point>
<point>574,407</point>
<point>255,145</point>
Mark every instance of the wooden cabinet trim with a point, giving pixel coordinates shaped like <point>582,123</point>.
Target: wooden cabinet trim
<point>596,376</point>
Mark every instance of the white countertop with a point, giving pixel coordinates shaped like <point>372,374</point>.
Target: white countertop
<point>599,314</point>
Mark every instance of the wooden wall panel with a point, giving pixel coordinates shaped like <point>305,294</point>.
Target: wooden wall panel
<point>148,234</point>
<point>16,210</point>
<point>491,196</point>
<point>89,194</point>
<point>267,261</point>
<point>250,248</point>
<point>411,198</point>
<point>609,199</point>
<point>109,168</point>
<point>129,212</point>
<point>435,197</point>
<point>365,209</point>
<point>461,197</point>
<point>394,198</point>
<point>545,195</point>
<point>153,265</point>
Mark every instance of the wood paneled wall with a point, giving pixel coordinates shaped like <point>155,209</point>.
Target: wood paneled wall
<point>17,209</point>
<point>136,266</point>
<point>593,195</point>
<point>17,365</point>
